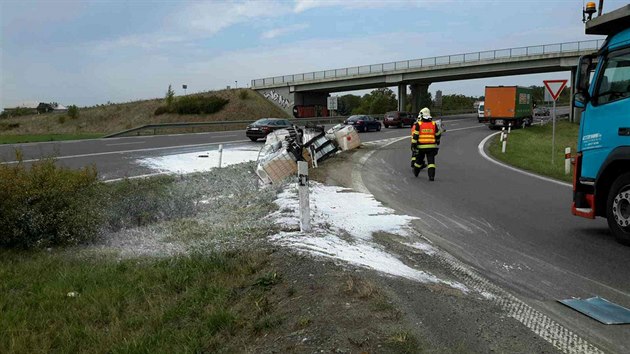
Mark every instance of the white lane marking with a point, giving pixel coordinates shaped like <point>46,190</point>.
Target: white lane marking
<point>542,325</point>
<point>129,151</point>
<point>134,142</point>
<point>482,152</point>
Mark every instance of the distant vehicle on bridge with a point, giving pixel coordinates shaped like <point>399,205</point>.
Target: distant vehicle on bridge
<point>506,106</point>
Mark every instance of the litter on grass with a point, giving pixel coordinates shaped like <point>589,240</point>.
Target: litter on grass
<point>343,224</point>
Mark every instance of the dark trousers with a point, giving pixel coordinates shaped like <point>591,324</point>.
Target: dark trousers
<point>430,154</point>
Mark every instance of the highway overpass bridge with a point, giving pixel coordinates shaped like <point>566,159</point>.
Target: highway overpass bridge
<point>314,87</point>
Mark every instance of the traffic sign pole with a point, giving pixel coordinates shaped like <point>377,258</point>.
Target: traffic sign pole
<point>553,134</point>
<point>554,87</point>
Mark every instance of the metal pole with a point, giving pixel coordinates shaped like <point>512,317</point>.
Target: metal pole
<point>305,209</point>
<point>220,154</point>
<point>553,133</point>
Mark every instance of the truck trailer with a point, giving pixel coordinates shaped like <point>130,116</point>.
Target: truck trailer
<point>601,181</point>
<point>506,106</point>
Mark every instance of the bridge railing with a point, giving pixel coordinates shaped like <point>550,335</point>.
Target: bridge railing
<point>517,52</point>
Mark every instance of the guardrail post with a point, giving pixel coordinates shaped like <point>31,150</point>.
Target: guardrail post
<point>220,154</point>
<point>567,161</point>
<point>305,209</point>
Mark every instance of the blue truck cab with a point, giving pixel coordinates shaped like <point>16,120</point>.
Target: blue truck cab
<point>601,183</point>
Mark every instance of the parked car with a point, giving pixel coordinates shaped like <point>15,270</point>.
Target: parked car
<point>260,128</point>
<point>398,119</point>
<point>363,123</point>
<point>480,113</point>
<point>541,111</point>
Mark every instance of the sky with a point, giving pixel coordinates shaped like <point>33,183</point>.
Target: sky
<point>97,51</point>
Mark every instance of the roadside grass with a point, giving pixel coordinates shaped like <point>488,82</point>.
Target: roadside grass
<point>169,305</point>
<point>36,138</point>
<point>530,149</point>
<point>107,297</point>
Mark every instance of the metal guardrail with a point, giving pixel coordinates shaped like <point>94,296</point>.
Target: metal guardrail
<point>566,47</point>
<point>297,121</point>
<point>155,127</point>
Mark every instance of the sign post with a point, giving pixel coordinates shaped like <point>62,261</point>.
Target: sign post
<point>332,104</point>
<point>554,87</point>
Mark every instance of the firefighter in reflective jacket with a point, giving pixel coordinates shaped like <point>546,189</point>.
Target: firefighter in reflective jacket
<point>425,139</point>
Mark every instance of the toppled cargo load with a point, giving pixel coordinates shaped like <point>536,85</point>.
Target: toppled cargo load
<point>320,148</point>
<point>347,138</point>
<point>276,167</point>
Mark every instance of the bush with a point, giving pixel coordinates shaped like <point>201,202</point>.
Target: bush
<point>73,112</point>
<point>243,94</point>
<point>8,126</point>
<point>199,105</point>
<point>46,205</point>
<point>139,202</point>
<point>61,119</point>
<point>161,110</point>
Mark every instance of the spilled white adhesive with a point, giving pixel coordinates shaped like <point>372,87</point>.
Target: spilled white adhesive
<point>359,214</point>
<point>192,162</point>
<point>343,223</point>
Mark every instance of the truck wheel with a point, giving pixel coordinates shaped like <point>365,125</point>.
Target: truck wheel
<point>618,209</point>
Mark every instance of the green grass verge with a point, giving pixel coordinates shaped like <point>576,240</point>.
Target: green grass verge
<point>16,139</point>
<point>530,149</point>
<point>176,305</point>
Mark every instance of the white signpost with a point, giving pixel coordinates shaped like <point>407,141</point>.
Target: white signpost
<point>554,87</point>
<point>332,103</point>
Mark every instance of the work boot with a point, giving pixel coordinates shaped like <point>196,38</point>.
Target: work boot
<point>416,171</point>
<point>431,173</point>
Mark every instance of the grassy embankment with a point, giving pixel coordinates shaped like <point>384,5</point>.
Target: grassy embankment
<point>530,149</point>
<point>178,265</point>
<point>244,104</point>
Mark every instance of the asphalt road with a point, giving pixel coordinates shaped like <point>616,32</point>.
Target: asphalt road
<point>513,228</point>
<point>116,157</point>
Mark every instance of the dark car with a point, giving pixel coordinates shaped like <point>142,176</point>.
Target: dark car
<point>363,123</point>
<point>398,119</point>
<point>541,111</point>
<point>260,128</point>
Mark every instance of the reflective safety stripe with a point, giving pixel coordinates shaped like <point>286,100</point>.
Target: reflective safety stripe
<point>416,165</point>
<point>414,141</point>
<point>431,165</point>
<point>413,158</point>
<point>427,146</point>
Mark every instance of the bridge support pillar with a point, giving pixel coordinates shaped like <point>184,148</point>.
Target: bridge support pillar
<point>574,113</point>
<point>402,97</point>
<point>420,97</point>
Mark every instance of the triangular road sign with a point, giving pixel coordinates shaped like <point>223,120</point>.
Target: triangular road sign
<point>555,87</point>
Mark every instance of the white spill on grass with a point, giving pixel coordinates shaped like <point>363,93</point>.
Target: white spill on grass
<point>200,161</point>
<point>343,223</point>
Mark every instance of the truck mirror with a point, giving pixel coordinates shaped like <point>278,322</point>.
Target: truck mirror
<point>582,80</point>
<point>580,99</point>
